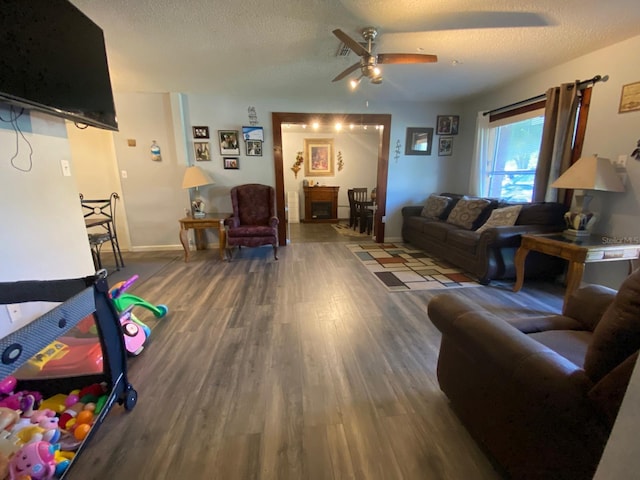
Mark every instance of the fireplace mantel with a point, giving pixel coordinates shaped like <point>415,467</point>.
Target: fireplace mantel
<point>321,204</point>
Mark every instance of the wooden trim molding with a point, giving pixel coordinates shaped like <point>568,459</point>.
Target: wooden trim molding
<point>383,119</point>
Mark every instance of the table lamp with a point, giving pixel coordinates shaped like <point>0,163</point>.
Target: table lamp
<point>588,173</point>
<point>194,177</point>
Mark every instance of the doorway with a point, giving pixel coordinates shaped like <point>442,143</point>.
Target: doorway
<point>383,120</point>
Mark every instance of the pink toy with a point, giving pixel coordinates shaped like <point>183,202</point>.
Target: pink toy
<point>35,460</point>
<point>8,385</point>
<point>134,335</point>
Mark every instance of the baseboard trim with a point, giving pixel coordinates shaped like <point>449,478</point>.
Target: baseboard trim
<point>157,248</point>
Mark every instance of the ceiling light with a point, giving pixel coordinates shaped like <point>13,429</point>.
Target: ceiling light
<point>338,127</point>
<point>376,80</point>
<point>376,71</point>
<point>315,125</point>
<point>354,82</point>
<point>352,126</point>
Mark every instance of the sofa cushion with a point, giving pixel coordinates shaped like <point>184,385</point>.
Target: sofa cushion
<point>435,206</point>
<point>501,217</point>
<point>550,213</point>
<point>466,211</point>
<point>418,223</point>
<point>466,240</point>
<point>439,230</point>
<point>571,344</point>
<point>617,334</point>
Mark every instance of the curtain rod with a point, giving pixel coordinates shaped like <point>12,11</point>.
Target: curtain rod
<point>542,96</point>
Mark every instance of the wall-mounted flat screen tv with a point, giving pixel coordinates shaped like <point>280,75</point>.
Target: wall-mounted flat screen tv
<point>53,59</point>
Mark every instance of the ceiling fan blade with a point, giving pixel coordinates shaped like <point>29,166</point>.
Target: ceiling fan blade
<point>348,71</point>
<point>351,43</point>
<point>406,58</point>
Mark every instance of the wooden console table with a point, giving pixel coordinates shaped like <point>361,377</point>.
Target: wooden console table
<point>595,248</point>
<point>199,225</point>
<point>320,195</point>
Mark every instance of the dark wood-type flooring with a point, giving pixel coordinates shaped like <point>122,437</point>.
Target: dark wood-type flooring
<point>301,368</point>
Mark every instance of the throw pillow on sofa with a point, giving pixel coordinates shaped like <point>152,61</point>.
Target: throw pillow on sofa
<point>502,217</point>
<point>466,211</point>
<point>435,206</point>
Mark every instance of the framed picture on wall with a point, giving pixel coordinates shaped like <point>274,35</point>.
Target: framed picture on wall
<point>418,141</point>
<point>254,148</point>
<point>200,132</point>
<point>253,133</point>
<point>318,154</point>
<point>447,124</point>
<point>445,146</point>
<point>202,151</point>
<point>630,98</point>
<point>231,163</point>
<point>229,144</point>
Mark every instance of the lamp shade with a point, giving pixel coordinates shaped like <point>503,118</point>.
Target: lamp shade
<point>590,173</point>
<point>195,177</point>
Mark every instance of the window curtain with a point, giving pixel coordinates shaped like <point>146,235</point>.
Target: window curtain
<point>557,139</point>
<point>478,175</point>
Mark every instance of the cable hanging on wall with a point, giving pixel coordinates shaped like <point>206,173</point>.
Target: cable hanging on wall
<point>13,120</point>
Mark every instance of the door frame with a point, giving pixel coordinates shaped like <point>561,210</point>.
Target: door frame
<point>369,119</point>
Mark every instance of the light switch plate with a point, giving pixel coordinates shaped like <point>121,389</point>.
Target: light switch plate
<point>66,168</point>
<point>15,312</point>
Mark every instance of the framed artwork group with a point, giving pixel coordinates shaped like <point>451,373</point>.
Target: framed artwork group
<point>229,144</point>
<point>419,140</point>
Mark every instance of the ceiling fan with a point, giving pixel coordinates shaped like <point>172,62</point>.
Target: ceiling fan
<point>369,61</point>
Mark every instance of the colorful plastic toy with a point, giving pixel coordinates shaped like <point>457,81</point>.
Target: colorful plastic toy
<point>35,461</point>
<point>134,335</point>
<point>135,332</point>
<point>123,301</point>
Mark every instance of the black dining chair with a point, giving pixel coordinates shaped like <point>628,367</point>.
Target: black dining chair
<point>100,220</point>
<point>359,215</point>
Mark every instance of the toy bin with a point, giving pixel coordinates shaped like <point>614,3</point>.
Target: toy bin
<point>77,343</point>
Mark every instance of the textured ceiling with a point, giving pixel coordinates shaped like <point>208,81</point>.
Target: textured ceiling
<point>285,48</point>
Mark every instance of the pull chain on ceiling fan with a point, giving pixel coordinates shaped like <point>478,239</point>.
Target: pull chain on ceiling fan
<point>369,61</point>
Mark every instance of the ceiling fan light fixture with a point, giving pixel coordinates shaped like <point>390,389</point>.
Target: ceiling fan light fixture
<point>354,82</point>
<point>376,80</point>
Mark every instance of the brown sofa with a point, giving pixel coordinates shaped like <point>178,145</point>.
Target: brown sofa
<point>541,394</point>
<point>488,255</point>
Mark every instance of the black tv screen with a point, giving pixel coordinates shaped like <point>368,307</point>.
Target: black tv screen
<point>53,59</point>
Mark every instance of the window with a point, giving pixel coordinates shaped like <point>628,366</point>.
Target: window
<point>513,145</point>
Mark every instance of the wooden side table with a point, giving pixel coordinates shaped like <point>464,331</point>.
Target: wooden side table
<point>199,225</point>
<point>595,248</point>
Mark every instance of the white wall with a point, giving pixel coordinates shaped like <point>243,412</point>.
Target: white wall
<point>43,236</point>
<point>152,191</point>
<point>608,134</point>
<point>96,171</point>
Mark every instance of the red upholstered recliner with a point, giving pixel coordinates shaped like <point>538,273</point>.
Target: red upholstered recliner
<point>254,221</point>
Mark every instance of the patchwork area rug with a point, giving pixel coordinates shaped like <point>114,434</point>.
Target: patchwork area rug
<point>402,268</point>
<point>344,229</point>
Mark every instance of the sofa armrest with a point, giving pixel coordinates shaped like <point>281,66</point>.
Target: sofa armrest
<point>412,210</point>
<point>588,304</point>
<point>511,236</point>
<point>536,374</point>
<point>273,222</point>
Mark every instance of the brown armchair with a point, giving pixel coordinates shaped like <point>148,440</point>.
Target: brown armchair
<point>254,222</point>
<point>541,394</point>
